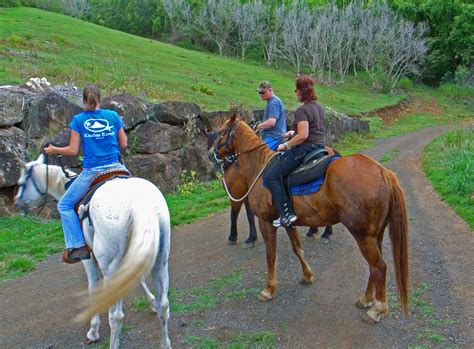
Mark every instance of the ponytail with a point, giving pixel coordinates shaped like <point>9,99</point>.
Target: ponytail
<point>91,97</point>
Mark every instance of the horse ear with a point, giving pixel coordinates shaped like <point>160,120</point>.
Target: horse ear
<point>40,159</point>
<point>233,117</point>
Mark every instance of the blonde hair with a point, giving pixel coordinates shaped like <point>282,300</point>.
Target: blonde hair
<point>91,97</point>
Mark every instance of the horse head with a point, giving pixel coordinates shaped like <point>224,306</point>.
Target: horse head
<point>223,146</point>
<point>31,185</point>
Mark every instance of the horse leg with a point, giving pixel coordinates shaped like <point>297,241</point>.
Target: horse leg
<point>234,214</point>
<point>312,231</point>
<point>327,232</point>
<point>149,296</point>
<point>115,321</point>
<point>269,237</point>
<point>92,272</point>
<point>251,219</point>
<point>296,244</point>
<point>160,277</point>
<point>376,284</point>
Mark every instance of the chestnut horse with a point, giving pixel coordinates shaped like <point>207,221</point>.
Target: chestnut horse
<point>357,191</point>
<point>238,187</point>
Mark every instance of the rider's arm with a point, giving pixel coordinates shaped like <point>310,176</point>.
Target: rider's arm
<point>122,139</point>
<point>300,136</point>
<point>70,150</point>
<point>269,123</point>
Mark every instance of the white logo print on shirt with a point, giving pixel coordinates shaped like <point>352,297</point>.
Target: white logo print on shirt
<point>97,125</point>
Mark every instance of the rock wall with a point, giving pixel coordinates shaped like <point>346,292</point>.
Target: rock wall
<point>164,139</point>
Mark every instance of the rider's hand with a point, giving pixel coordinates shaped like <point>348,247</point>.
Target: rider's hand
<point>288,134</point>
<point>281,147</point>
<point>49,149</point>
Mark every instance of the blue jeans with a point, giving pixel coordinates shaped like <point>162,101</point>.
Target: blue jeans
<point>72,228</point>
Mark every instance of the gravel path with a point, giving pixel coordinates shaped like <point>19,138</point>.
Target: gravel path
<point>35,310</point>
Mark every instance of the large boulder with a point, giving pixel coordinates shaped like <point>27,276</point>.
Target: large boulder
<point>194,157</point>
<point>62,139</point>
<point>175,113</point>
<point>216,119</point>
<point>133,110</point>
<point>161,169</point>
<point>12,104</point>
<point>156,137</point>
<point>12,145</point>
<point>48,114</point>
<point>338,124</point>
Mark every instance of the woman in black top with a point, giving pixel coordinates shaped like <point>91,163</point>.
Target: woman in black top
<point>309,133</point>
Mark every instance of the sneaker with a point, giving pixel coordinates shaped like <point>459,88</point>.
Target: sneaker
<point>285,221</point>
<point>75,255</point>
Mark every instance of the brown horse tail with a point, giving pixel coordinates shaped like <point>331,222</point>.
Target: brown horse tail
<point>398,235</point>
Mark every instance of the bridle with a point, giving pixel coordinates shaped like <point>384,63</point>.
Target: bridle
<point>231,158</point>
<point>29,177</point>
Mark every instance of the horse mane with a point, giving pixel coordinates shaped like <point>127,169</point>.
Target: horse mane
<point>56,178</point>
<point>248,140</point>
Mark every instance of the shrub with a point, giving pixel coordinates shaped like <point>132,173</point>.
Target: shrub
<point>189,183</point>
<point>405,84</point>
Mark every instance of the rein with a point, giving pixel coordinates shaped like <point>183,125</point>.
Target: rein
<point>251,186</point>
<point>29,177</point>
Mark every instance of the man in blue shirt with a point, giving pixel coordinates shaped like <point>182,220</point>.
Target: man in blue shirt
<point>273,124</point>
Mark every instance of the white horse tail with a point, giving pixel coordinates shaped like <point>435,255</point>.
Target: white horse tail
<point>138,260</point>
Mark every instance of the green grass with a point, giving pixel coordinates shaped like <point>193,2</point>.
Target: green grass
<point>217,291</point>
<point>257,339</point>
<point>451,112</point>
<point>206,198</point>
<point>426,312</point>
<point>24,242</point>
<point>388,156</point>
<point>448,162</point>
<point>36,43</point>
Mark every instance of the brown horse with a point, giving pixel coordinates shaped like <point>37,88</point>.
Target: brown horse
<point>238,187</point>
<point>357,191</point>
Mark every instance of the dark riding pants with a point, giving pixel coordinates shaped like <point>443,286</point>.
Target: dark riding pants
<point>275,175</point>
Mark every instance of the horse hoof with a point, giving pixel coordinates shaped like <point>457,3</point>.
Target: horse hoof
<point>231,243</point>
<point>305,281</point>
<point>368,320</point>
<point>361,305</point>
<point>153,309</point>
<point>310,237</point>
<point>265,296</point>
<point>90,341</point>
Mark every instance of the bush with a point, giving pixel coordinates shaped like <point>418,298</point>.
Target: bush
<point>405,84</point>
<point>189,183</point>
<point>457,92</point>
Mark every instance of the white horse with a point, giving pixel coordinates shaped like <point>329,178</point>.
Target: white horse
<point>128,229</point>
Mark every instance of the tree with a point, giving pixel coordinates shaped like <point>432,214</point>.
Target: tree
<point>214,20</point>
<point>247,18</point>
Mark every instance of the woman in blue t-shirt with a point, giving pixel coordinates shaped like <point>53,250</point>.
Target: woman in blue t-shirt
<point>101,134</point>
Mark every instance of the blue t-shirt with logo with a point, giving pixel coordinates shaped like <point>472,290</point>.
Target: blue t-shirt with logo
<point>275,109</point>
<point>98,130</point>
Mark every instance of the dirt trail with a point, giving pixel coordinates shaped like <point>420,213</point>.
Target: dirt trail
<point>35,310</point>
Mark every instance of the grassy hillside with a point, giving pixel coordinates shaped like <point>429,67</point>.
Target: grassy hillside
<point>35,43</point>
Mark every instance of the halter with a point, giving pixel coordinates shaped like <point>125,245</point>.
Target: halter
<point>231,158</point>
<point>29,177</point>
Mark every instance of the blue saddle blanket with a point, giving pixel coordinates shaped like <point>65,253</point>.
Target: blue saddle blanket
<point>310,187</point>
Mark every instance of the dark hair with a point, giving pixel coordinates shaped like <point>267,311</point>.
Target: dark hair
<point>305,85</point>
<point>91,97</point>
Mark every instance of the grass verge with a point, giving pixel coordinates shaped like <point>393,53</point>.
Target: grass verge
<point>26,241</point>
<point>448,162</point>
